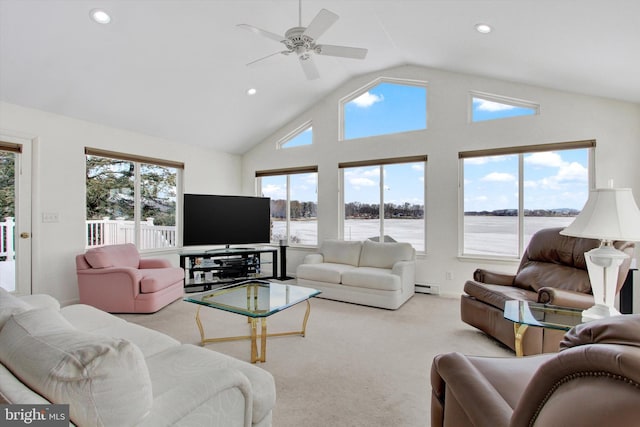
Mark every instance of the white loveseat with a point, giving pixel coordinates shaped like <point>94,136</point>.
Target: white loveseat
<point>115,373</point>
<point>368,273</point>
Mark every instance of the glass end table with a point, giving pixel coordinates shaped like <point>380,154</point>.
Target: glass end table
<point>257,300</point>
<point>524,314</point>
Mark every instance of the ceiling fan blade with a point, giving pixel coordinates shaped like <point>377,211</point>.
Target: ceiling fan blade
<point>342,51</point>
<point>323,20</point>
<point>309,67</point>
<point>284,52</point>
<point>264,33</point>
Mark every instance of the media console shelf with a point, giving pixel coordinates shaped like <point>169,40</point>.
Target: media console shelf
<point>204,270</point>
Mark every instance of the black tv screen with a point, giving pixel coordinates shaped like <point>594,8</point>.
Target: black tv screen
<point>225,220</point>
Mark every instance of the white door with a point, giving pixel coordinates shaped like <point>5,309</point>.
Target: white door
<point>15,247</point>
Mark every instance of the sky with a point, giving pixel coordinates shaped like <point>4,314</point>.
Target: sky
<point>552,180</point>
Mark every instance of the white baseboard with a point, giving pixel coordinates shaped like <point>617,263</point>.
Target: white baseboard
<point>427,289</point>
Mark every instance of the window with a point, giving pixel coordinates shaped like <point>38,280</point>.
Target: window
<point>383,200</point>
<point>509,194</point>
<point>7,210</point>
<point>131,200</point>
<point>299,137</point>
<point>294,204</point>
<point>490,107</point>
<point>384,108</point>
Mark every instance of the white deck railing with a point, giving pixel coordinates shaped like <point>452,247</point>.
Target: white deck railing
<point>110,232</point>
<point>7,235</point>
<point>103,232</point>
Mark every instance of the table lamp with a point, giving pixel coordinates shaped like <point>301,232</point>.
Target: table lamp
<point>609,214</point>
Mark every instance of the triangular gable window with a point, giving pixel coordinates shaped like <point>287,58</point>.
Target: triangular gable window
<point>299,137</point>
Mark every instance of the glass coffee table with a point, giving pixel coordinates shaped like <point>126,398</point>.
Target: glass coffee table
<point>525,314</point>
<point>257,300</point>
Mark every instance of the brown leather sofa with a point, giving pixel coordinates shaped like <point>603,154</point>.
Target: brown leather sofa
<point>552,271</point>
<point>593,381</point>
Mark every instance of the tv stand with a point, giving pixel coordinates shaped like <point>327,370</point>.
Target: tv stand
<point>219,267</point>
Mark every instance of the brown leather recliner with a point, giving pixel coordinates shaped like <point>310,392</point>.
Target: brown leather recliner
<point>593,381</point>
<point>552,271</point>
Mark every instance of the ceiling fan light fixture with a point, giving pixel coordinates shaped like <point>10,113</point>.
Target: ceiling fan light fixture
<point>483,28</point>
<point>100,16</point>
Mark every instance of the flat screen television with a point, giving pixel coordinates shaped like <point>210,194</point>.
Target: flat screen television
<point>225,220</point>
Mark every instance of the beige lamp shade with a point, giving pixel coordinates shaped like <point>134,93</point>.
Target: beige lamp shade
<point>609,214</point>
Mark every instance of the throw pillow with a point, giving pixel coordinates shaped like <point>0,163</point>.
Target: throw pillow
<point>104,380</point>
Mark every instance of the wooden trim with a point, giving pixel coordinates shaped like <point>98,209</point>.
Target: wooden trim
<point>287,171</point>
<point>590,143</point>
<point>378,162</point>
<point>10,146</point>
<point>132,157</point>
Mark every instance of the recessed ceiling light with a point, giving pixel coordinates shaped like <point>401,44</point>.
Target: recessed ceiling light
<point>483,28</point>
<point>100,16</point>
<point>251,91</point>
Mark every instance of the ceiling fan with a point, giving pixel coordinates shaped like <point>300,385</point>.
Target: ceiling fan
<point>301,41</point>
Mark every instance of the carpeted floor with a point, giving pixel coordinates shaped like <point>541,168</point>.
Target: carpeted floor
<point>357,366</point>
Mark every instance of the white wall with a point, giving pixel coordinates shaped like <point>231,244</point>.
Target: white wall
<point>59,184</point>
<point>563,117</point>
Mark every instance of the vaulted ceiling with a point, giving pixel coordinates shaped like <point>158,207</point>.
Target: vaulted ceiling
<point>176,69</point>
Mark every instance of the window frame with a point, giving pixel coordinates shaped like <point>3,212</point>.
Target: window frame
<point>521,151</point>
<point>280,145</point>
<point>381,163</point>
<point>500,99</point>
<point>356,93</point>
<point>288,172</point>
<point>138,161</point>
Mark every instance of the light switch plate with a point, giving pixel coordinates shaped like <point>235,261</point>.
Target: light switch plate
<point>50,217</point>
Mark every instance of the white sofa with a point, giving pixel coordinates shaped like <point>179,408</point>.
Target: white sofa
<point>115,373</point>
<point>368,273</point>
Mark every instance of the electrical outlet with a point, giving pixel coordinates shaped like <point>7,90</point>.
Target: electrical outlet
<point>448,275</point>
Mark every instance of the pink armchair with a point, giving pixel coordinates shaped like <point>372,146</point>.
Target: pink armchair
<point>115,279</point>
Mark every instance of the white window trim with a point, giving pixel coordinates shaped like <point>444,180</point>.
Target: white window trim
<point>381,163</point>
<point>291,135</point>
<point>522,103</point>
<point>521,153</point>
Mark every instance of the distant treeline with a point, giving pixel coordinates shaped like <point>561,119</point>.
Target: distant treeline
<point>304,210</point>
<point>527,212</point>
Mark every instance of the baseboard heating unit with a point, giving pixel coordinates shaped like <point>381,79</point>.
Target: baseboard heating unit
<point>427,289</point>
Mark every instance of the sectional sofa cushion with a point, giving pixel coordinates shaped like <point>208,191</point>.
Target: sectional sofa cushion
<point>324,272</point>
<point>90,372</point>
<point>384,255</point>
<point>341,251</point>
<point>10,305</point>
<point>372,278</point>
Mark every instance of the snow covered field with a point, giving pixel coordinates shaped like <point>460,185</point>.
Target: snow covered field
<point>489,235</point>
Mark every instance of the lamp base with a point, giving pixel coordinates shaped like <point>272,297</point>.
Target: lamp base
<point>599,311</point>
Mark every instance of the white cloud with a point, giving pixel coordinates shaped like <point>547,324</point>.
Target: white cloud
<point>548,158</point>
<point>484,105</point>
<point>274,191</point>
<point>358,182</point>
<point>572,172</point>
<point>499,177</point>
<point>367,99</point>
<point>484,160</point>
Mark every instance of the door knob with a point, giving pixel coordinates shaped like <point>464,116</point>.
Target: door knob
<point>25,235</point>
